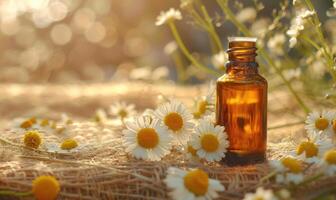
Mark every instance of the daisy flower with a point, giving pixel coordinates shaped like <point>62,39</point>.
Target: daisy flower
<point>122,110</point>
<point>289,170</point>
<point>176,118</point>
<point>170,15</point>
<point>100,117</point>
<point>45,188</point>
<point>192,184</point>
<point>312,150</point>
<point>32,139</point>
<point>66,120</point>
<point>328,163</point>
<point>319,122</point>
<point>24,123</point>
<point>261,194</point>
<point>146,139</point>
<point>210,141</point>
<point>42,125</point>
<point>205,105</point>
<point>298,25</point>
<point>69,145</point>
<point>190,152</point>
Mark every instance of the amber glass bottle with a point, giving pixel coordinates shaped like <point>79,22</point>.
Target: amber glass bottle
<point>242,104</point>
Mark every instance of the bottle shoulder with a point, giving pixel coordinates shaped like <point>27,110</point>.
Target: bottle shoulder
<point>252,78</point>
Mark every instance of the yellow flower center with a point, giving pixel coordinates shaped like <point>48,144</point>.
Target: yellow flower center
<point>191,150</point>
<point>197,115</point>
<point>148,138</point>
<point>28,123</point>
<point>122,113</point>
<point>174,121</point>
<point>334,125</point>
<point>309,148</point>
<point>69,144</point>
<point>321,123</point>
<point>44,122</point>
<point>33,120</point>
<point>197,182</point>
<point>292,164</point>
<point>45,188</point>
<point>69,121</point>
<point>97,118</point>
<point>209,142</point>
<point>32,139</point>
<point>53,125</point>
<point>330,157</point>
<point>202,106</point>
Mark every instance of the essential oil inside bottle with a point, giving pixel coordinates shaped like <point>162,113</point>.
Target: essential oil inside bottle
<point>242,104</point>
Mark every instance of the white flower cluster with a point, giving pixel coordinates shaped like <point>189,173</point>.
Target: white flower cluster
<point>318,150</point>
<point>297,25</point>
<point>171,14</point>
<point>153,135</point>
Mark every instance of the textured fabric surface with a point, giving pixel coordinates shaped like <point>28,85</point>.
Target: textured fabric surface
<point>102,170</point>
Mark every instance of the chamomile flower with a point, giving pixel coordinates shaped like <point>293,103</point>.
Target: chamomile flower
<point>312,150</point>
<point>261,194</point>
<point>146,139</point>
<point>122,110</point>
<point>210,141</point>
<point>45,188</point>
<point>190,152</point>
<point>176,118</point>
<point>44,125</point>
<point>100,117</point>
<point>24,123</point>
<point>328,163</point>
<point>32,139</point>
<point>289,170</point>
<point>66,120</point>
<point>170,15</point>
<point>320,122</point>
<point>69,145</point>
<point>297,25</point>
<point>192,184</point>
<point>205,105</point>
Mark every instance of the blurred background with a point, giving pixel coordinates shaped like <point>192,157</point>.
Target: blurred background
<point>84,41</point>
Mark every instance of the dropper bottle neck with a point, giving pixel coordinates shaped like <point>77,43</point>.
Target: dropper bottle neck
<point>242,55</point>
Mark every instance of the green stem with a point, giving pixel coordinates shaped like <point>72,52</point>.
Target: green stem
<point>181,76</point>
<point>232,18</point>
<point>186,52</point>
<point>287,83</point>
<point>242,28</point>
<point>212,29</point>
<point>317,26</point>
<point>14,193</point>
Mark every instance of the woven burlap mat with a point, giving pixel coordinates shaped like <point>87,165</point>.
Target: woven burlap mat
<point>103,170</point>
